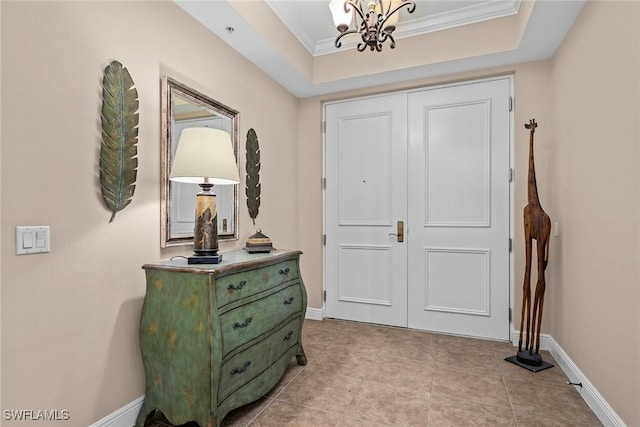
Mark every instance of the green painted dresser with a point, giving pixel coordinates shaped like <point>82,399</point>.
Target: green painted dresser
<point>214,337</point>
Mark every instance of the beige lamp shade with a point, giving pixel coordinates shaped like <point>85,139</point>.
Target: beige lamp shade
<point>340,17</point>
<point>205,153</point>
<point>389,5</point>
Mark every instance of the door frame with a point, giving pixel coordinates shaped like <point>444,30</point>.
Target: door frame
<point>511,78</point>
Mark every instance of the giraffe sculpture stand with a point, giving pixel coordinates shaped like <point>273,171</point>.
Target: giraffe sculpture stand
<point>537,226</point>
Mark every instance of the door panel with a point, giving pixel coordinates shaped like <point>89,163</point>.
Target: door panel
<point>366,274</point>
<point>365,170</point>
<point>452,289</point>
<point>457,159</point>
<point>459,209</point>
<point>366,189</point>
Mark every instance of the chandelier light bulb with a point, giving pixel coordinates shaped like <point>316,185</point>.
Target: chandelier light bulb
<point>342,14</point>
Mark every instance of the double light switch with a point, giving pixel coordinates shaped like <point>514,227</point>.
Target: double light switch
<point>32,240</point>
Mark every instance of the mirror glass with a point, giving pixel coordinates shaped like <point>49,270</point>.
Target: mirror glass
<point>183,107</point>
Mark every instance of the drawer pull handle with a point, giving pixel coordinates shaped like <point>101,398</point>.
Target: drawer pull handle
<point>242,369</point>
<point>285,271</point>
<point>240,285</point>
<point>243,324</point>
<point>288,336</point>
<point>288,301</point>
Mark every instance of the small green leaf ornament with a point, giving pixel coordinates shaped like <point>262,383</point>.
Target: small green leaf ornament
<point>252,183</point>
<point>118,161</point>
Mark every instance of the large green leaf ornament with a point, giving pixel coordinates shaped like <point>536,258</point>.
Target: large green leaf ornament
<point>118,161</point>
<point>252,189</point>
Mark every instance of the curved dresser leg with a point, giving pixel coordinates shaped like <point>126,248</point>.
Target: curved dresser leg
<point>301,358</point>
<point>144,413</point>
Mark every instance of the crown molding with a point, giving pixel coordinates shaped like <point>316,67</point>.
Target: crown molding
<point>413,27</point>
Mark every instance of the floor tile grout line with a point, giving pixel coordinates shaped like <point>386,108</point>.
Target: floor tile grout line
<point>306,406</point>
<point>340,415</point>
<point>477,402</point>
<point>361,380</point>
<point>273,398</point>
<point>260,412</point>
<point>506,389</point>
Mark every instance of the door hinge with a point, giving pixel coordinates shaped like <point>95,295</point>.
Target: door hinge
<point>324,240</point>
<point>324,296</point>
<point>511,103</point>
<point>510,314</point>
<point>510,174</point>
<point>510,244</point>
<point>324,126</point>
<point>324,183</point>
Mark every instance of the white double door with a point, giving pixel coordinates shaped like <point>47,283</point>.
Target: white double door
<point>434,162</point>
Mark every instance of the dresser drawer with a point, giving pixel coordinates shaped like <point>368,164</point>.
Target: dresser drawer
<point>249,321</point>
<point>241,285</point>
<point>250,363</point>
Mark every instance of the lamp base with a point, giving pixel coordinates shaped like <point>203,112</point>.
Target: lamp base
<point>204,259</point>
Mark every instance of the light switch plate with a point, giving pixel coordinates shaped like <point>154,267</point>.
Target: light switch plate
<point>33,240</point>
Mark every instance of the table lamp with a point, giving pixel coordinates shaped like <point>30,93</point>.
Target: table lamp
<point>205,157</point>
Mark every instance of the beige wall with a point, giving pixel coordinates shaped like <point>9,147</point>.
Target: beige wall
<point>596,110</point>
<point>69,318</point>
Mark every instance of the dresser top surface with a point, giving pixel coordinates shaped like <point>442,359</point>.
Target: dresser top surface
<point>231,261</point>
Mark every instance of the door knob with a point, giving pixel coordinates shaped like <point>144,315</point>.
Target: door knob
<point>400,232</point>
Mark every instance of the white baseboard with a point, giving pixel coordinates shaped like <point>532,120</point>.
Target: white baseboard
<point>596,402</point>
<point>545,340</point>
<point>591,396</point>
<point>315,313</point>
<point>123,417</point>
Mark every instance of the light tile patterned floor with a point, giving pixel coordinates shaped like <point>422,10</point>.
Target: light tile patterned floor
<point>368,375</point>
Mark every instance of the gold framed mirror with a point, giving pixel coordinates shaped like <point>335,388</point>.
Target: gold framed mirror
<point>183,107</point>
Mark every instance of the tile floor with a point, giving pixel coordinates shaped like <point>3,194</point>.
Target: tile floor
<point>367,375</point>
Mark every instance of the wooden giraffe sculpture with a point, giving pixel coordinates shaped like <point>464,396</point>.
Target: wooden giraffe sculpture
<point>537,226</point>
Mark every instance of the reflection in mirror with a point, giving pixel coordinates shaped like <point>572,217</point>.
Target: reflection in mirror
<point>183,107</point>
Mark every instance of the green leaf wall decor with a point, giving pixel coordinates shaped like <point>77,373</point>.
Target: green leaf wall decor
<point>118,161</point>
<point>252,183</point>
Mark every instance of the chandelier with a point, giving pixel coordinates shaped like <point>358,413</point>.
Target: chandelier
<point>375,20</point>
